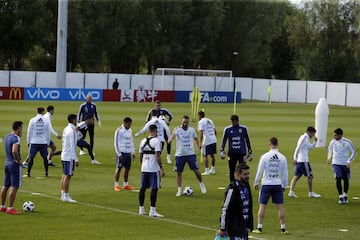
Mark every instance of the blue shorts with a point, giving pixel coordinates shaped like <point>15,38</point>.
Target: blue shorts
<point>125,162</point>
<point>275,191</point>
<point>341,171</point>
<point>209,149</point>
<point>68,167</point>
<point>150,180</point>
<point>35,148</point>
<point>13,175</point>
<point>181,160</point>
<point>303,168</point>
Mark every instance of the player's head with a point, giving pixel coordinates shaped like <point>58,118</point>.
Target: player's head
<point>40,110</point>
<point>72,118</point>
<point>127,122</point>
<point>234,120</point>
<point>242,172</point>
<point>157,104</point>
<point>17,128</point>
<point>311,131</point>
<point>201,114</point>
<point>154,113</point>
<point>153,130</point>
<point>89,98</point>
<point>273,142</point>
<point>185,122</point>
<point>50,109</point>
<point>338,133</point>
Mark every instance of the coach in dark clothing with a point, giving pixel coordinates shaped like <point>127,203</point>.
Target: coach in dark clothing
<point>237,216</point>
<point>89,109</point>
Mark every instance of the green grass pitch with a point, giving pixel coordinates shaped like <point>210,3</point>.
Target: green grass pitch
<point>102,213</point>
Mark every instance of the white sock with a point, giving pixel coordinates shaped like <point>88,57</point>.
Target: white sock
<point>152,209</point>
<point>116,184</point>
<point>62,193</point>
<point>66,195</point>
<point>141,209</point>
<point>206,170</point>
<point>282,226</point>
<point>125,183</point>
<point>259,225</point>
<point>345,195</point>
<point>179,189</point>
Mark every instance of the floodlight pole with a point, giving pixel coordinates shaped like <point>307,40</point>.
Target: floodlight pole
<point>234,53</point>
<point>61,48</point>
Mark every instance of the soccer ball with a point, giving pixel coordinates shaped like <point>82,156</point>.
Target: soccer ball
<point>188,191</point>
<point>28,206</point>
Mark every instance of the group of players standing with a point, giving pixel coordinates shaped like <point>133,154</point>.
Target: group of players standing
<point>237,207</point>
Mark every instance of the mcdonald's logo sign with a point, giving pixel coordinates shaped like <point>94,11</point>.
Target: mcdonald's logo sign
<point>15,93</point>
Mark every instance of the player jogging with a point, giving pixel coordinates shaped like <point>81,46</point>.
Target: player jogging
<point>339,149</point>
<point>301,162</point>
<point>185,137</point>
<point>124,148</point>
<point>207,133</point>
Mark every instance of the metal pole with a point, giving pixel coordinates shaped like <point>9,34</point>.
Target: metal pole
<point>61,43</point>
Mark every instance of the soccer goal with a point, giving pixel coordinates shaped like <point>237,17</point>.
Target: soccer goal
<point>188,79</point>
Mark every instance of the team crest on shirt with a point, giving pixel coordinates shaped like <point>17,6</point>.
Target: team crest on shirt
<point>240,130</point>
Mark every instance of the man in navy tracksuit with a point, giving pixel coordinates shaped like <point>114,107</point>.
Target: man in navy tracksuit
<point>239,144</point>
<point>88,109</point>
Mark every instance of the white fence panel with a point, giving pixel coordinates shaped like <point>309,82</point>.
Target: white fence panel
<point>46,79</point>
<point>141,81</point>
<point>297,91</point>
<point>205,83</point>
<point>315,91</point>
<point>260,89</point>
<point>96,80</point>
<point>74,80</point>
<point>184,83</point>
<point>22,79</point>
<point>279,90</point>
<point>224,84</point>
<point>353,96</point>
<point>335,93</point>
<point>244,85</point>
<point>163,82</point>
<point>4,78</point>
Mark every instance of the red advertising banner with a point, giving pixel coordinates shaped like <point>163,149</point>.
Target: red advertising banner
<point>111,95</point>
<point>16,93</point>
<point>153,95</point>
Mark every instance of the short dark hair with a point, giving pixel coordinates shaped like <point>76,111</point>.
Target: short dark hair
<point>240,167</point>
<point>339,131</point>
<point>311,129</point>
<point>153,112</point>
<point>127,120</point>
<point>274,141</point>
<point>157,102</point>
<point>49,108</point>
<point>201,114</point>
<point>71,117</point>
<point>152,128</point>
<point>234,118</point>
<point>40,110</point>
<point>16,125</point>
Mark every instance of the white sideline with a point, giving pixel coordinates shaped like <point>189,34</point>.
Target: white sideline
<point>130,213</point>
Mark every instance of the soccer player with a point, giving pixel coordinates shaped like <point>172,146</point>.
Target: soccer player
<point>301,162</point>
<point>273,169</point>
<point>48,116</point>
<point>89,109</point>
<point>162,129</point>
<point>236,218</point>
<point>239,140</point>
<point>38,139</point>
<point>69,157</point>
<point>339,150</point>
<point>166,115</point>
<point>124,148</point>
<point>12,178</point>
<point>207,133</point>
<point>185,137</point>
<point>82,127</point>
<point>151,170</point>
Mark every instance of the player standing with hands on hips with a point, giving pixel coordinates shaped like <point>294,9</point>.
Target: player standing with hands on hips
<point>273,169</point>
<point>239,141</point>
<point>89,109</point>
<point>339,149</point>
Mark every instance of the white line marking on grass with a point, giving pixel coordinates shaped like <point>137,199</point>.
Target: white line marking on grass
<point>130,213</point>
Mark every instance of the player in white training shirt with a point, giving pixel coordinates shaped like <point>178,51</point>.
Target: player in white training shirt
<point>125,151</point>
<point>301,161</point>
<point>208,140</point>
<point>48,117</point>
<point>185,153</point>
<point>339,149</point>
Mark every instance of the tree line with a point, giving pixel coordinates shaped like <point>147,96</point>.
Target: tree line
<point>314,40</point>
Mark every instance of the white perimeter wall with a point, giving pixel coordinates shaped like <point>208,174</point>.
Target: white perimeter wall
<point>293,91</point>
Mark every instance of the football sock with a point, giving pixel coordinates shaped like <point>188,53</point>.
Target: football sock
<point>116,184</point>
<point>125,183</point>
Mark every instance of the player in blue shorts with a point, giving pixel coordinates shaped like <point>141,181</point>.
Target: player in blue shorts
<point>12,178</point>
<point>273,169</point>
<point>185,153</point>
<point>339,149</point>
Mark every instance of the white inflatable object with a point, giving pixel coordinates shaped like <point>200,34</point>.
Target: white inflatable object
<point>321,122</point>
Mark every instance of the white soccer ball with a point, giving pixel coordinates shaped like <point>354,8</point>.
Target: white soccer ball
<point>28,206</point>
<point>188,191</point>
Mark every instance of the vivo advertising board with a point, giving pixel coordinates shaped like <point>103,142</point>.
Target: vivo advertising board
<point>61,94</point>
<point>211,97</point>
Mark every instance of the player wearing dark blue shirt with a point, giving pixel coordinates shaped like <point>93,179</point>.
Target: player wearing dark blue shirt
<point>12,178</point>
<point>239,144</point>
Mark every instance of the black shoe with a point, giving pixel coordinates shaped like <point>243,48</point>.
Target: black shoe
<point>257,230</point>
<point>52,164</point>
